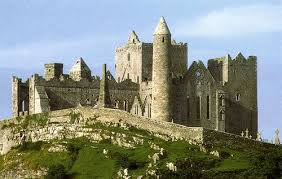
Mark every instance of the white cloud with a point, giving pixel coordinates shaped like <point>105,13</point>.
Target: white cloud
<point>35,54</point>
<point>30,55</point>
<point>234,22</point>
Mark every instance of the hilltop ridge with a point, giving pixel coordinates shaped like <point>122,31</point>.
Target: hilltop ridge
<point>110,143</point>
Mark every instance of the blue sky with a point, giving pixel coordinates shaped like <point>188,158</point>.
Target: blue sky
<point>34,32</point>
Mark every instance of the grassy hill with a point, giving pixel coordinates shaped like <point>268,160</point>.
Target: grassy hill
<point>81,157</point>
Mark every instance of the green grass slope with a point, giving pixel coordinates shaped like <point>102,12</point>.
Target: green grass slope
<point>82,158</point>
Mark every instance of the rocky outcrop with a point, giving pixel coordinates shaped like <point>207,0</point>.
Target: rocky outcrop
<point>80,122</point>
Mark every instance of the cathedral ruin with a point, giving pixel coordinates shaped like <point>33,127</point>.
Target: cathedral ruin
<point>152,80</point>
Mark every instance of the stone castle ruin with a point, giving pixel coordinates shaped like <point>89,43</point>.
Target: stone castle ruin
<point>152,80</point>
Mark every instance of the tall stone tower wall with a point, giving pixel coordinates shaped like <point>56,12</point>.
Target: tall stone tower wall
<point>53,70</point>
<point>161,79</point>
<point>15,95</point>
<point>20,97</point>
<point>147,61</point>
<point>128,60</point>
<point>219,68</point>
<point>242,92</point>
<point>178,53</point>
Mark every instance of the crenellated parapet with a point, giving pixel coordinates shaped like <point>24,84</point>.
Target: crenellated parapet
<point>53,70</point>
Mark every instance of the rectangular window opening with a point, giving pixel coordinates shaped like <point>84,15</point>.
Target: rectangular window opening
<point>198,107</point>
<point>188,107</point>
<point>208,107</point>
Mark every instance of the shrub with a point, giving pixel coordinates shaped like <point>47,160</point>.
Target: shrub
<point>4,126</point>
<point>57,172</point>
<point>224,154</point>
<point>74,151</point>
<point>35,120</point>
<point>28,146</point>
<point>74,117</point>
<point>124,161</point>
<point>106,141</point>
<point>267,162</point>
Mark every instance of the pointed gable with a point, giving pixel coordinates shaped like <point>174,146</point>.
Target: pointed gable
<point>80,70</point>
<point>240,57</point>
<point>133,38</point>
<point>198,72</point>
<point>110,76</point>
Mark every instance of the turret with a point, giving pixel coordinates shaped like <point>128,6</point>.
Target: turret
<point>161,79</point>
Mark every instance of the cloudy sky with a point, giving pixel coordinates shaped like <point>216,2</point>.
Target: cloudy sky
<point>34,32</point>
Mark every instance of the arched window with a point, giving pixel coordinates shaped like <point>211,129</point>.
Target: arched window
<point>128,57</point>
<point>136,109</point>
<point>208,107</point>
<point>125,105</point>
<point>149,110</point>
<point>188,106</point>
<point>221,100</point>
<point>198,107</point>
<point>222,115</point>
<point>88,102</point>
<point>117,104</point>
<point>238,96</point>
<point>163,40</point>
<point>23,105</point>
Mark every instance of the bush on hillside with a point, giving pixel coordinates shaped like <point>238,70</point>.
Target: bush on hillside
<point>57,172</point>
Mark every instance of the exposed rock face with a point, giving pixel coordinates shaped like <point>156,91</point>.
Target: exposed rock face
<point>105,125</point>
<point>72,123</point>
<point>22,173</point>
<point>57,148</point>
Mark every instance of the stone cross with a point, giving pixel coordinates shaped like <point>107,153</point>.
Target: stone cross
<point>242,134</point>
<point>259,136</point>
<point>276,138</point>
<point>247,133</point>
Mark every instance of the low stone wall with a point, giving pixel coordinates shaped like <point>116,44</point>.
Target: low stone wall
<point>213,138</point>
<point>171,130</point>
<point>61,125</point>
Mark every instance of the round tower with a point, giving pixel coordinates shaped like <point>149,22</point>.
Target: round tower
<point>161,78</point>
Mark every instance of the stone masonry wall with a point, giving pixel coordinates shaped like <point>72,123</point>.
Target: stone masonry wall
<point>242,91</point>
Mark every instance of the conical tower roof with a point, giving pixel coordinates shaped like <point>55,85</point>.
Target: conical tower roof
<point>162,28</point>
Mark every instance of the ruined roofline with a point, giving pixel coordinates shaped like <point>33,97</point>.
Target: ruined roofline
<point>161,29</point>
<point>239,55</point>
<point>15,78</point>
<point>150,44</point>
<point>53,64</point>
<point>200,64</point>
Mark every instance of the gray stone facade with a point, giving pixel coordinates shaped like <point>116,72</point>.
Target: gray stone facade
<point>152,80</point>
